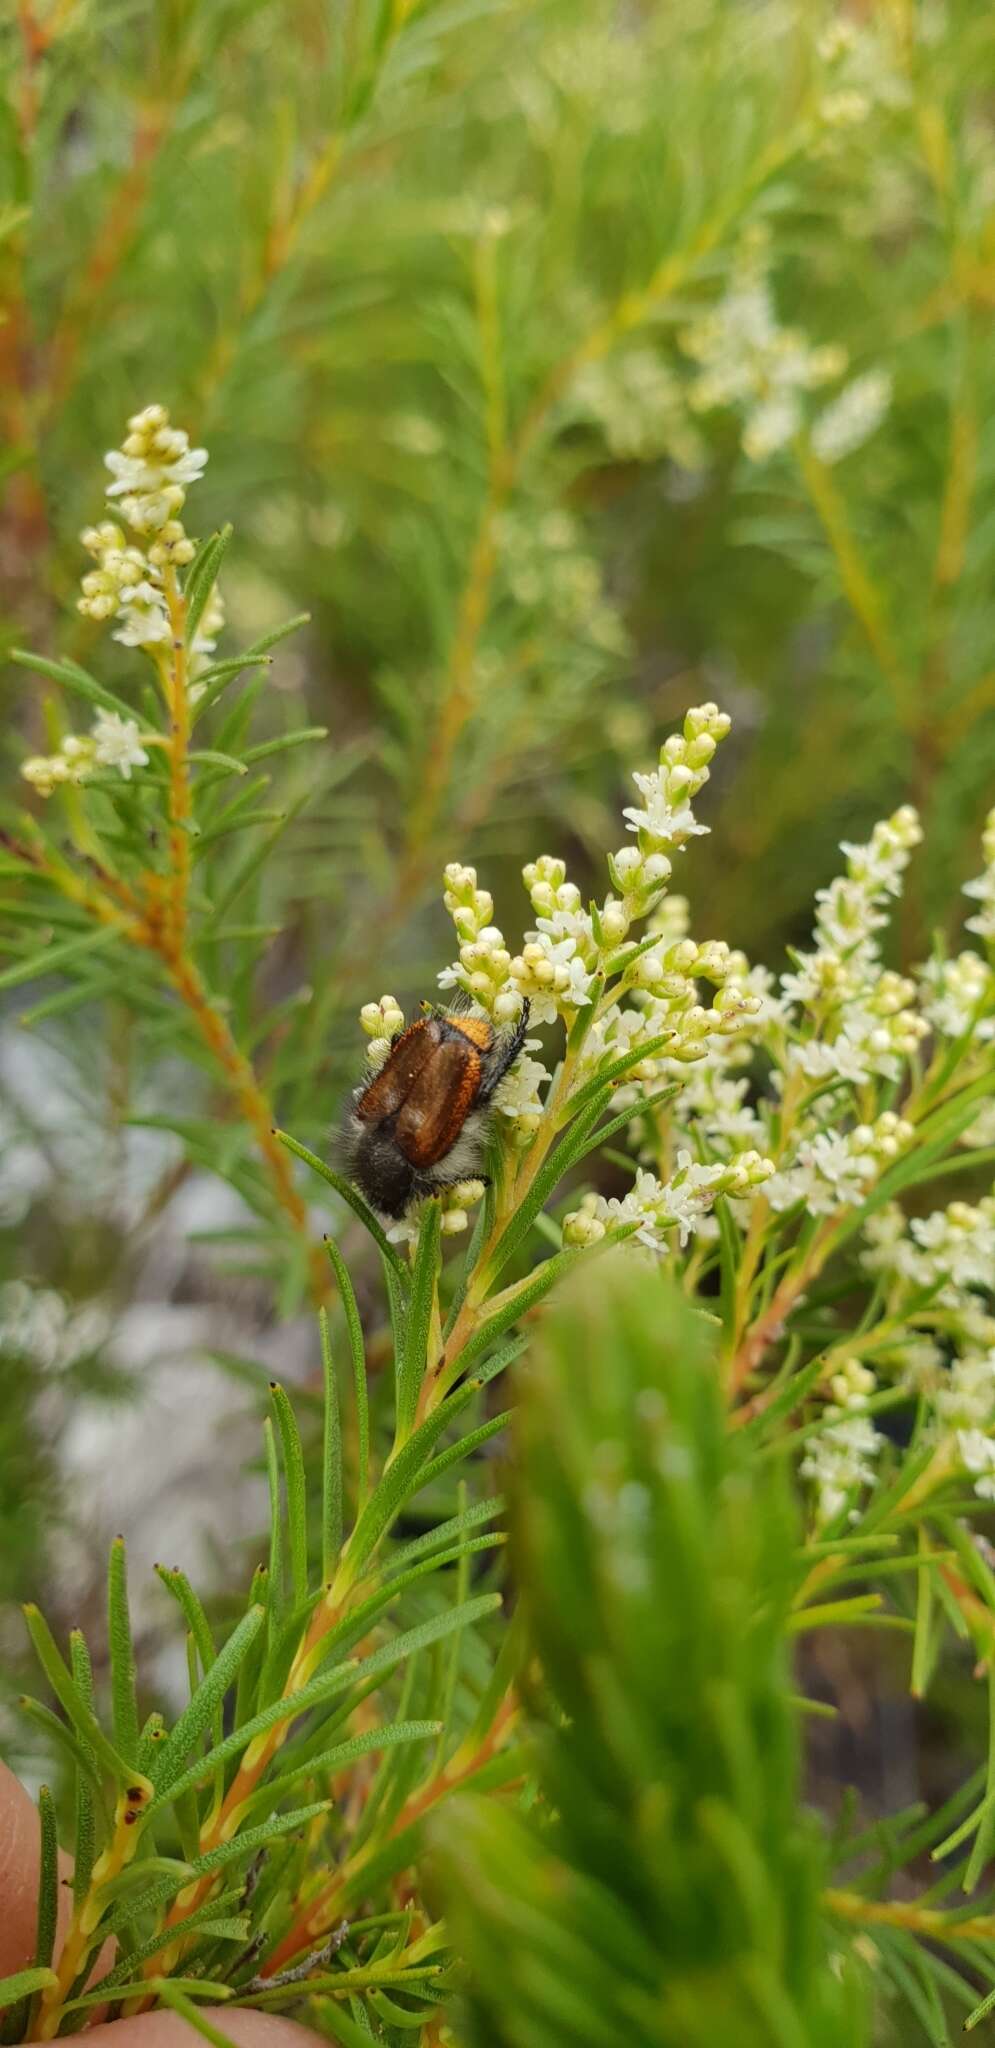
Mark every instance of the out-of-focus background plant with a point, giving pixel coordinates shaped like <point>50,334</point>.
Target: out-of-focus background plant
<point>568,365</point>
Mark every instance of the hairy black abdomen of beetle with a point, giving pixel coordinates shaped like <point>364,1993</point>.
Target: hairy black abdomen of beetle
<point>379,1167</point>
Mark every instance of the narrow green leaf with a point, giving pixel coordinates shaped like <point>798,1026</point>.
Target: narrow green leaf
<point>466,1446</point>
<point>250,1839</point>
<point>23,1983</point>
<point>210,757</point>
<point>452,1669</point>
<point>47,1909</point>
<point>434,1630</point>
<point>296,1486</point>
<point>924,1642</point>
<point>139,1987</point>
<point>287,739</point>
<point>70,1698</point>
<point>278,633</point>
<point>249,866</point>
<point>980,2012</point>
<point>398,1482</point>
<point>172,1868</point>
<point>606,1132</point>
<point>124,1705</point>
<point>515,1304</point>
<point>393,1734</point>
<point>64,1737</point>
<point>483,1374</point>
<point>177,1583</point>
<point>274,1603</point>
<point>340,2027</point>
<point>337,1678</point>
<point>412,1359</point>
<point>247,1683</point>
<point>51,959</point>
<point>210,1918</point>
<point>361,1617</point>
<point>202,576</point>
<point>84,1838</point>
<point>331,1462</point>
<point>833,1613</point>
<point>73,678</point>
<point>153,1733</point>
<point>981,1851</point>
<point>442,1535</point>
<point>617,1069</point>
<point>355,1201</point>
<point>550,1173</point>
<point>323,1687</point>
<point>214,681</point>
<point>178,2002</point>
<point>196,1716</point>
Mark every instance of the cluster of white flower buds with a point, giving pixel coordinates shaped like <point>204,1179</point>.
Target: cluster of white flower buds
<point>952,1249</point>
<point>873,1036</point>
<point>657,1207</point>
<point>640,407</point>
<point>958,995</point>
<point>555,967</point>
<point>484,960</point>
<point>954,1246</point>
<point>851,1385</point>
<point>151,472</point>
<point>557,970</point>
<point>663,983</point>
<point>862,70</point>
<point>518,1099</point>
<point>381,1022</point>
<point>965,1397</point>
<point>839,1461</point>
<point>748,361</point>
<point>844,967</point>
<point>834,1170</point>
<point>665,818</point>
<point>455,1202</point>
<point>113,742</point>
<point>839,1458</point>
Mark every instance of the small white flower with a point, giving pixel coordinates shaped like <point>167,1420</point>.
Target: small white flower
<point>145,474</point>
<point>977,1453</point>
<point>966,1397</point>
<point>954,993</point>
<point>839,1461</point>
<point>659,816</point>
<point>116,743</point>
<point>518,1094</point>
<point>748,360</point>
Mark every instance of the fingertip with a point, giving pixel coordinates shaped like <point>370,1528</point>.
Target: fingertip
<point>20,1841</point>
<point>163,2029</point>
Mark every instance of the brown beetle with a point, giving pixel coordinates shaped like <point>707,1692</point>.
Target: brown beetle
<point>420,1122</point>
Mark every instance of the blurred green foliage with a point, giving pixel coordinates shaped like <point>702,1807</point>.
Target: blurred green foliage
<point>372,255</point>
<point>666,1888</point>
<point>422,278</point>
